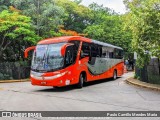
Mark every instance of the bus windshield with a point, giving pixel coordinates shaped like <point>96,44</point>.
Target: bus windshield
<point>47,58</point>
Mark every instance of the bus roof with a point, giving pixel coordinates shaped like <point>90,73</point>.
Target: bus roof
<point>70,38</point>
<point>106,44</point>
<point>63,39</point>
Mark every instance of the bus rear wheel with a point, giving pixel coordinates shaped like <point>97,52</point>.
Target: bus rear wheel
<point>81,81</point>
<point>114,75</point>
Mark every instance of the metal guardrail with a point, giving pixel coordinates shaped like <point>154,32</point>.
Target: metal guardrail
<point>149,73</point>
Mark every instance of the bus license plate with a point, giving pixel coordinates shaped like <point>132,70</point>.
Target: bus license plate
<point>43,83</point>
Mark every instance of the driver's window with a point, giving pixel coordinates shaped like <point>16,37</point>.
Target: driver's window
<point>85,49</point>
<point>69,56</point>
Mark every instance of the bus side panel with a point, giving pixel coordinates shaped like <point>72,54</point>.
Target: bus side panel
<point>73,74</point>
<point>108,73</point>
<point>75,70</point>
<point>120,69</point>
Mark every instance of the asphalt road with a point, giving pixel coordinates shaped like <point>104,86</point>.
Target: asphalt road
<point>104,95</point>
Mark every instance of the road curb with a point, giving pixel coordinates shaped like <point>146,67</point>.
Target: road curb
<point>142,84</point>
<point>10,81</point>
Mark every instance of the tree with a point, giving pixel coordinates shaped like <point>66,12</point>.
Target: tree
<point>144,22</point>
<point>77,17</point>
<point>78,1</point>
<point>95,32</point>
<point>108,27</point>
<point>4,4</point>
<point>68,32</point>
<point>14,27</point>
<point>45,15</point>
<point>99,12</point>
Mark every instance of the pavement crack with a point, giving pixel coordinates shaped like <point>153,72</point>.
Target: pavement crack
<point>141,96</point>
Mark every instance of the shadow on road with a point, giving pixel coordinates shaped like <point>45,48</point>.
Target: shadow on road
<point>74,87</point>
<point>98,82</point>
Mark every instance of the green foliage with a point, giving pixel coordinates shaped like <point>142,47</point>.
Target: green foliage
<point>144,22</point>
<point>95,31</point>
<point>77,17</point>
<point>12,24</point>
<point>99,13</point>
<point>15,27</point>
<point>4,4</point>
<point>78,1</point>
<point>108,27</point>
<point>45,15</point>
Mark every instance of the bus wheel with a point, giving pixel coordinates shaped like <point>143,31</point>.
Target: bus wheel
<point>114,75</point>
<point>81,81</point>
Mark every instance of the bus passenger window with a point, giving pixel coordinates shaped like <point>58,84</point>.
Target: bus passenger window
<point>94,51</point>
<point>105,52</point>
<point>99,54</point>
<point>103,55</point>
<point>118,54</point>
<point>110,54</point>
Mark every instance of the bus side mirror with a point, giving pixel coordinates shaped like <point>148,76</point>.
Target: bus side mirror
<point>27,50</point>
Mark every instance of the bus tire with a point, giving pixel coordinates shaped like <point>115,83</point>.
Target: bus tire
<point>114,75</point>
<point>81,81</point>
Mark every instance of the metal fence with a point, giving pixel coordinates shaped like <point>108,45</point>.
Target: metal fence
<point>14,70</point>
<point>149,73</point>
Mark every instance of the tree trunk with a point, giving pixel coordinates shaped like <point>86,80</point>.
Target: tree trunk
<point>1,55</point>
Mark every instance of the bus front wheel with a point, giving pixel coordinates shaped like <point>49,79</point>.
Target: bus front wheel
<point>81,81</point>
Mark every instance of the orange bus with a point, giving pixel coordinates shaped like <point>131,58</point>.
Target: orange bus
<point>69,60</point>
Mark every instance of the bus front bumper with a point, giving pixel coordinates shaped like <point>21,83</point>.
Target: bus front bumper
<point>56,80</point>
